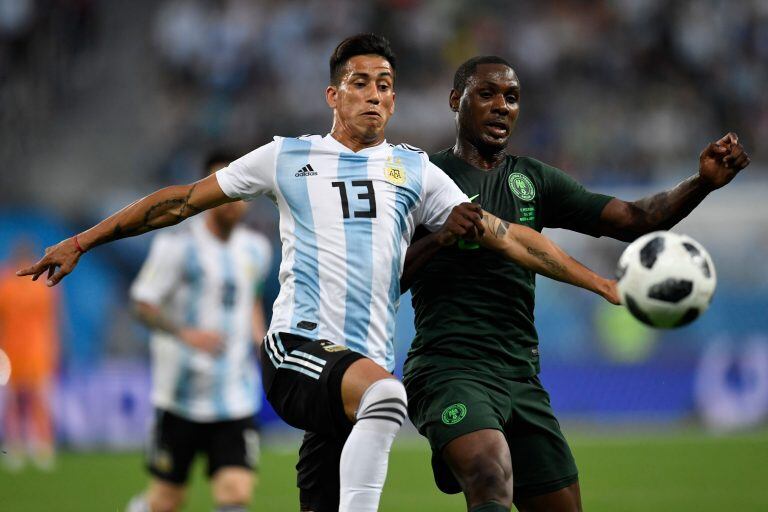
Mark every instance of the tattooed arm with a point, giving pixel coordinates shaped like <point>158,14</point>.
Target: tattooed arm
<point>166,207</point>
<point>719,163</point>
<point>534,251</point>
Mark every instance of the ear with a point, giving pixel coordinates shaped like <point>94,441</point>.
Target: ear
<point>454,99</point>
<point>331,95</point>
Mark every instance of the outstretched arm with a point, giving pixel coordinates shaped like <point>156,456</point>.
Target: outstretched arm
<point>719,163</point>
<point>166,207</point>
<point>534,251</point>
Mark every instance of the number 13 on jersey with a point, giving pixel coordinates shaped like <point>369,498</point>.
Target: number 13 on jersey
<point>362,191</point>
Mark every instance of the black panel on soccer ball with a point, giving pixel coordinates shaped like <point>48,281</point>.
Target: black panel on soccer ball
<point>650,252</point>
<point>671,290</point>
<point>698,258</point>
<point>689,316</point>
<point>636,311</point>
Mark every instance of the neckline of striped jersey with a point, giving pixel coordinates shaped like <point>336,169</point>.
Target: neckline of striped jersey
<point>331,140</point>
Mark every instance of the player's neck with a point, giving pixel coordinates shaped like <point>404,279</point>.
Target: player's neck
<point>482,159</point>
<point>218,229</point>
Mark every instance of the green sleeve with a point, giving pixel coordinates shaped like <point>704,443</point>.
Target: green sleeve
<point>567,204</point>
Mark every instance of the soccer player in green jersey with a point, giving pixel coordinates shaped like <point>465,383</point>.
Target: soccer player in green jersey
<point>472,371</point>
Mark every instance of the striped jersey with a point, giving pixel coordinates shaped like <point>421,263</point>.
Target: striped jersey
<point>203,282</point>
<point>346,219</point>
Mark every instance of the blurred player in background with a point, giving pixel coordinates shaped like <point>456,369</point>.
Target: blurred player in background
<point>29,335</point>
<point>348,204</point>
<point>200,292</point>
<point>472,371</point>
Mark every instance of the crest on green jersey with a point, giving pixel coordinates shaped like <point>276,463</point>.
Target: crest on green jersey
<point>454,413</point>
<point>522,186</point>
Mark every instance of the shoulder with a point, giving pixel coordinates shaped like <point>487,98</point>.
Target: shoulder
<point>440,157</point>
<point>545,174</point>
<point>280,142</point>
<point>532,165</point>
<point>253,237</point>
<point>254,241</point>
<point>171,245</point>
<point>410,153</point>
<point>408,147</point>
<point>277,142</point>
<point>307,136</point>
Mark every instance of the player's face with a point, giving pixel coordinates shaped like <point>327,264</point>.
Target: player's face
<point>364,100</point>
<point>489,106</point>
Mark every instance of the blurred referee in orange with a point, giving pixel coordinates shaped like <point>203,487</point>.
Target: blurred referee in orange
<point>29,315</point>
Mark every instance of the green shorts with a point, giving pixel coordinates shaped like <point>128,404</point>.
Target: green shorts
<point>444,407</point>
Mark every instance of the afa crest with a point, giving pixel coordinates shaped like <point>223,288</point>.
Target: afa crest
<point>394,172</point>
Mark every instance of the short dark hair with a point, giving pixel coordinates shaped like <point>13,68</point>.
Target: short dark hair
<point>215,156</point>
<point>361,44</point>
<point>467,69</point>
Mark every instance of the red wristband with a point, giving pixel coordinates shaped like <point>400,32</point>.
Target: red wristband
<point>77,245</point>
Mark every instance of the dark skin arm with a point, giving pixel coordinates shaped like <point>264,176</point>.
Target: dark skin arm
<point>719,163</point>
<point>166,207</point>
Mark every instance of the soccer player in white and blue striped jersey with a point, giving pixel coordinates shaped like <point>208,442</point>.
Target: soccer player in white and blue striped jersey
<point>348,206</point>
<point>199,290</point>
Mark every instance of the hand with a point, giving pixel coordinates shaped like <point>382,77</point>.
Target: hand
<point>207,341</point>
<point>721,161</point>
<point>59,260</point>
<point>464,221</point>
<point>611,293</point>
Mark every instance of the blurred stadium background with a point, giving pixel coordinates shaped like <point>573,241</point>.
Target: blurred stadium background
<point>103,101</point>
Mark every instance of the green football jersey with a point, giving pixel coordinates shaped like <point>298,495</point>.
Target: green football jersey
<point>474,309</point>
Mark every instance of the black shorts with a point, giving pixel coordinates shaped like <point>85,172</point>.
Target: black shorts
<point>175,441</point>
<point>448,405</point>
<point>302,381</point>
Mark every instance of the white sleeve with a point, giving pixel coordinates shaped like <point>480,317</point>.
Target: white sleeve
<point>440,195</point>
<point>161,271</point>
<point>250,175</point>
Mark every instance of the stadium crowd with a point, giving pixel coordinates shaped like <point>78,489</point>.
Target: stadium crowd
<point>613,91</point>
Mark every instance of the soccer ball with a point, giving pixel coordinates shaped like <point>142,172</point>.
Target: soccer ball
<point>665,279</point>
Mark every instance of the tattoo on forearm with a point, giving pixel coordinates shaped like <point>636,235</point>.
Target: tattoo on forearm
<point>667,208</point>
<point>556,269</point>
<point>186,205</point>
<point>157,210</point>
<point>495,226</point>
<point>162,207</point>
<point>116,234</point>
<point>659,207</point>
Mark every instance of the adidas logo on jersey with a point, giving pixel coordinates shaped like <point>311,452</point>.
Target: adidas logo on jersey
<point>307,170</point>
